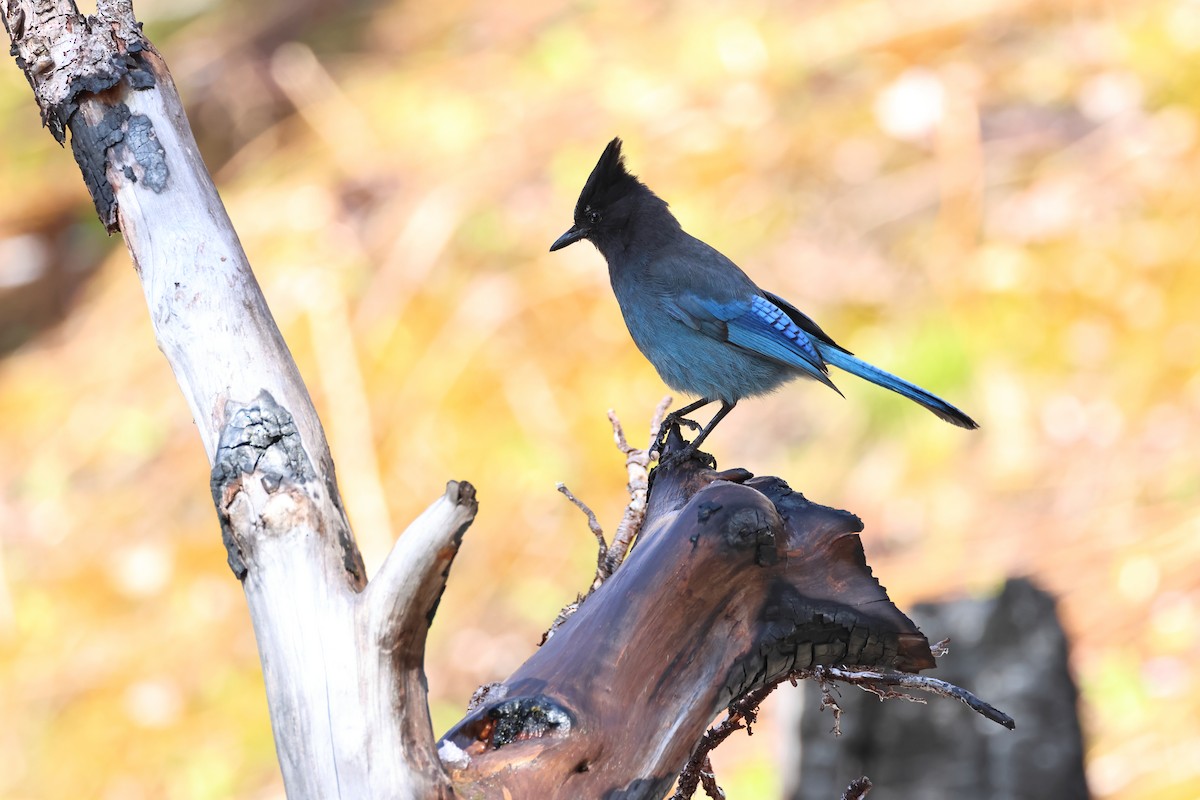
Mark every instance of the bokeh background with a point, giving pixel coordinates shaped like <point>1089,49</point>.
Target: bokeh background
<point>995,198</point>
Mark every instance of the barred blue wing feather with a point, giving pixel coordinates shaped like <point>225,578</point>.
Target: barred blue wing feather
<point>803,321</point>
<point>758,326</point>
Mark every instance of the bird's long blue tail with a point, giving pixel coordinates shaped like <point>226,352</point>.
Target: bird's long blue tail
<point>855,366</point>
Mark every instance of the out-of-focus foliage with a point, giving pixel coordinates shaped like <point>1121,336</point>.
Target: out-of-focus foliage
<point>996,199</point>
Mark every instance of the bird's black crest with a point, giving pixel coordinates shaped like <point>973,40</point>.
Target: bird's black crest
<point>609,181</point>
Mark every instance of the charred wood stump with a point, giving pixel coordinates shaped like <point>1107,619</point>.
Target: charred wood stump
<point>734,582</point>
<point>1012,648</point>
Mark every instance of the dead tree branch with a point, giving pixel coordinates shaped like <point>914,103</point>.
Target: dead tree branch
<point>637,466</point>
<point>609,557</point>
<point>884,683</point>
<point>342,661</point>
<point>743,712</point>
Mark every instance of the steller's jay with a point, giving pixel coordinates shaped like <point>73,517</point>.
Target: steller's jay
<point>703,324</point>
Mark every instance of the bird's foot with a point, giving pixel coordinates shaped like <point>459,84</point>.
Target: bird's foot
<point>677,420</point>
<point>671,449</point>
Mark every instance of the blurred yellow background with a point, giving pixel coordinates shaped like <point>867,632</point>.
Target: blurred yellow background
<point>996,199</point>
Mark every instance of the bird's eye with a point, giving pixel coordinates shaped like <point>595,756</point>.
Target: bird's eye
<point>593,217</point>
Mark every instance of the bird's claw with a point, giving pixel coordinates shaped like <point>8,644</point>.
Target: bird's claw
<point>665,429</point>
<point>673,424</point>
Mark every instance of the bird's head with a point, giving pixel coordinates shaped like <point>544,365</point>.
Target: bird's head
<point>607,202</point>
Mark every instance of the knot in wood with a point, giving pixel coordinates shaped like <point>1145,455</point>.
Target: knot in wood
<point>742,518</point>
<point>524,718</point>
<point>753,528</point>
<point>261,437</point>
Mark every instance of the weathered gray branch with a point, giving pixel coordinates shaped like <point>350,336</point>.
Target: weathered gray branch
<point>343,662</point>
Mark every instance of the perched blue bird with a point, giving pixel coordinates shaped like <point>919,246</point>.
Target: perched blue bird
<point>703,324</point>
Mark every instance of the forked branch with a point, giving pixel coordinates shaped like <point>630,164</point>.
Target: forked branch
<point>343,667</point>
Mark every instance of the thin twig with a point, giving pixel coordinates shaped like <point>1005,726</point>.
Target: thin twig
<point>742,713</point>
<point>601,560</point>
<point>708,781</point>
<point>830,702</point>
<point>637,465</point>
<point>881,683</point>
<point>593,523</point>
<point>611,556</point>
<point>563,616</point>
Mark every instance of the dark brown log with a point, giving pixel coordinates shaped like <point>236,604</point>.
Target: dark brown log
<point>735,581</point>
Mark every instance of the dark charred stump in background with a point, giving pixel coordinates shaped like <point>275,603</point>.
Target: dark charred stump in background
<point>1011,649</point>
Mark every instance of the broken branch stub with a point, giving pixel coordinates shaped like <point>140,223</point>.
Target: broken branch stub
<point>343,660</point>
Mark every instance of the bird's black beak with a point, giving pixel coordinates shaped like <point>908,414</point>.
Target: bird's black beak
<point>573,234</point>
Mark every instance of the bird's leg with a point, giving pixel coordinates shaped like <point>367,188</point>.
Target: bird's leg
<point>679,418</point>
<point>689,408</point>
<point>720,415</point>
<point>690,448</point>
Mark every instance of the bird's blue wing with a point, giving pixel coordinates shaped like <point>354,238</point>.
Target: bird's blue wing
<point>755,324</point>
<point>803,321</point>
